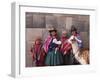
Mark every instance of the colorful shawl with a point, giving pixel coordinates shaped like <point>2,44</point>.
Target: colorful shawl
<point>66,46</point>
<point>47,43</point>
<point>38,54</point>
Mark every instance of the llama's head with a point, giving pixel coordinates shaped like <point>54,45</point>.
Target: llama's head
<point>72,39</point>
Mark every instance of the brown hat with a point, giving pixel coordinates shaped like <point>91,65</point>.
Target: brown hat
<point>51,29</point>
<point>73,28</point>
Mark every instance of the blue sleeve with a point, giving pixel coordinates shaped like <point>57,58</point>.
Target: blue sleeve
<point>80,44</point>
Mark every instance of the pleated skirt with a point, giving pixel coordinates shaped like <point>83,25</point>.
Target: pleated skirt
<point>54,59</point>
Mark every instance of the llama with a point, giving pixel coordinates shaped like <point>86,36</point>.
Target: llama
<point>82,56</point>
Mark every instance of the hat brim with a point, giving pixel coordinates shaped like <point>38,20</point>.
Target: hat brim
<point>52,31</point>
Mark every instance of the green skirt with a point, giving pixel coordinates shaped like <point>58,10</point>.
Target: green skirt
<point>53,59</point>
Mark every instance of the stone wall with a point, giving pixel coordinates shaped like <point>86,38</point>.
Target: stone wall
<point>36,24</point>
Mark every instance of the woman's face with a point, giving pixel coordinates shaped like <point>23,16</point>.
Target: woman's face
<point>64,34</point>
<point>73,32</point>
<point>53,33</point>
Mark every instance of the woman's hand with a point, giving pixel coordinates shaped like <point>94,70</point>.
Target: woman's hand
<point>65,52</point>
<point>56,49</point>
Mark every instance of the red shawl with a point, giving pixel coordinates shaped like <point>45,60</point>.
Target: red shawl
<point>65,46</point>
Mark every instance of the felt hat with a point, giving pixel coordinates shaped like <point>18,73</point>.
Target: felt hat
<point>51,29</point>
<point>73,28</point>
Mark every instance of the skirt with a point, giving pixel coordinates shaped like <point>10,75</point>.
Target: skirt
<point>53,59</point>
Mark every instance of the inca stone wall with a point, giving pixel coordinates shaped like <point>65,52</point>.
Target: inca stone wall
<point>36,24</point>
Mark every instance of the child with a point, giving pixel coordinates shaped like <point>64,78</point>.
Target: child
<point>65,48</point>
<point>37,52</point>
<point>53,57</point>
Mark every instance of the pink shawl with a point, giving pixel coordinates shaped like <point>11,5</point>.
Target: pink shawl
<point>46,43</point>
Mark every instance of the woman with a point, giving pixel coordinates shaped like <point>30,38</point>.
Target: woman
<point>76,43</point>
<point>53,57</point>
<point>75,35</point>
<point>65,48</point>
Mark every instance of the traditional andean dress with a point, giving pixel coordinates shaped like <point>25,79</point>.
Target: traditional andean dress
<point>54,57</point>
